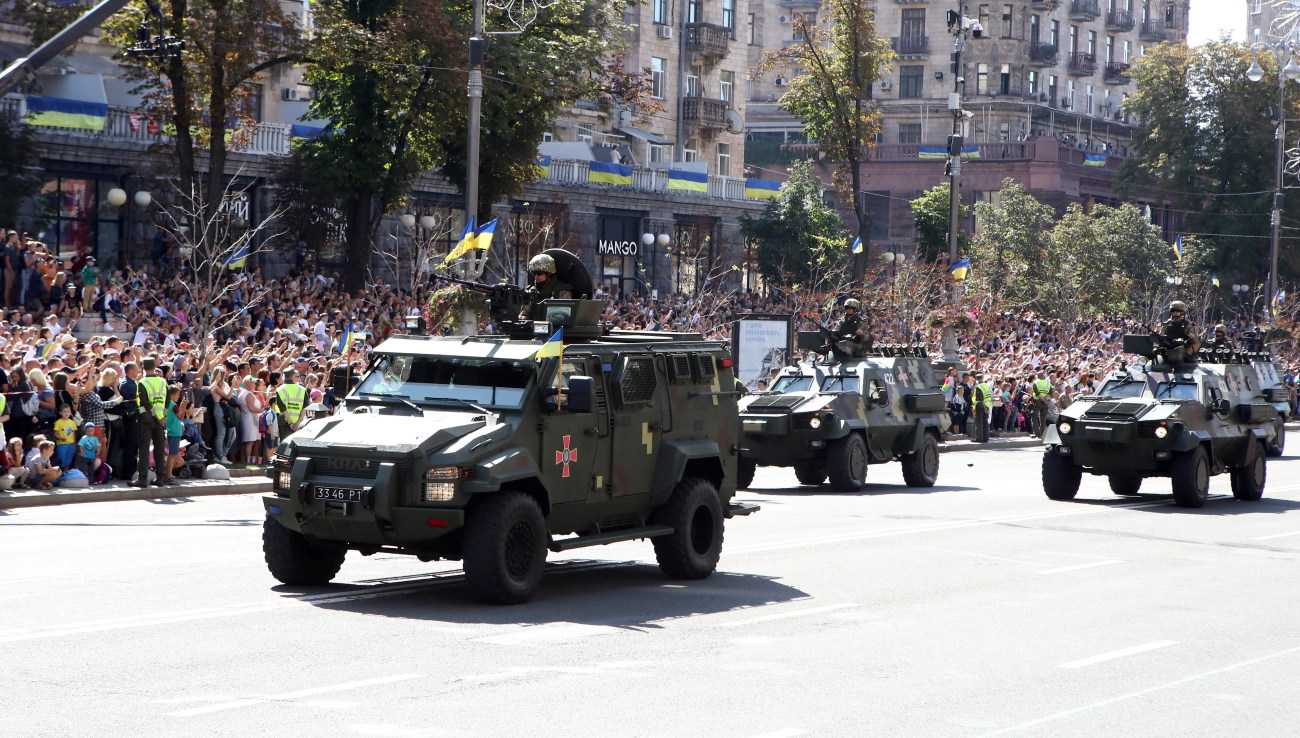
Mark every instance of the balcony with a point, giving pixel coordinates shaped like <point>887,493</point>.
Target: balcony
<point>1119,20</point>
<point>705,112</point>
<point>1083,64</point>
<point>1084,10</point>
<point>708,41</point>
<point>1043,55</point>
<point>1045,4</point>
<point>1153,31</point>
<point>1117,73</point>
<point>911,46</point>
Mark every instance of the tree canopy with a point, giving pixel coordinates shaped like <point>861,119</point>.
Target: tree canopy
<point>799,239</point>
<point>930,213</point>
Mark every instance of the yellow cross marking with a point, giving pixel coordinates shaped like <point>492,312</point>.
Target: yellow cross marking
<point>600,482</point>
<point>648,438</point>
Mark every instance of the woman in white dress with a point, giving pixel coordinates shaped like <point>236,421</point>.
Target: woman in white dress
<point>250,410</point>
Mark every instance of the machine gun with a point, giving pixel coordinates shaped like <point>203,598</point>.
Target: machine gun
<point>844,348</point>
<point>1162,350</point>
<point>505,303</point>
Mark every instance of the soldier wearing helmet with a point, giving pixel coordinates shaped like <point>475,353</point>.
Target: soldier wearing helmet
<point>850,327</point>
<point>545,284</point>
<point>1179,337</point>
<point>1221,337</point>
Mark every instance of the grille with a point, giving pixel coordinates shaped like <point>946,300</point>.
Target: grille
<point>681,368</point>
<point>342,466</point>
<point>704,369</point>
<point>622,520</point>
<point>638,381</point>
<point>1115,410</point>
<point>777,401</point>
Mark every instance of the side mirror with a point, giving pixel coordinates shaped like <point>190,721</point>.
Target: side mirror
<point>581,395</point>
<point>1221,407</point>
<point>881,396</point>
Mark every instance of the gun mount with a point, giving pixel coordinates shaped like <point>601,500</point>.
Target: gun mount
<point>514,309</point>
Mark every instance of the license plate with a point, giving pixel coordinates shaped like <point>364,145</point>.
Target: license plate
<point>342,494</point>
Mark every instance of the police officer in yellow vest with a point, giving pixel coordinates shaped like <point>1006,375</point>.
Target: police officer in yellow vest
<point>290,401</point>
<point>982,399</point>
<point>1042,391</point>
<point>151,395</point>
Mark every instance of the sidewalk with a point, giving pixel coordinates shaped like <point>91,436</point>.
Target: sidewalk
<point>996,441</point>
<point>242,481</point>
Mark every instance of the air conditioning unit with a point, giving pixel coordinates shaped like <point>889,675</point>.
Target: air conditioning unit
<point>1042,97</point>
<point>783,19</point>
<point>780,81</point>
<point>664,31</point>
<point>292,93</point>
<point>886,85</point>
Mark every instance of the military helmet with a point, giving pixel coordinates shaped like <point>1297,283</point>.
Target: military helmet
<point>852,303</point>
<point>1178,305</point>
<point>541,264</point>
<point>1220,328</point>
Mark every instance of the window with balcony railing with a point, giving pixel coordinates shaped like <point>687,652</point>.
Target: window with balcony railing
<point>1083,63</point>
<point>911,44</point>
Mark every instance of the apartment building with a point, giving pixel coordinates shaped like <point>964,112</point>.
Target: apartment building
<point>1045,81</point>
<point>1266,20</point>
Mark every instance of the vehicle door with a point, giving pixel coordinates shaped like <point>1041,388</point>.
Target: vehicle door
<point>572,457</point>
<point>1222,424</point>
<point>636,422</point>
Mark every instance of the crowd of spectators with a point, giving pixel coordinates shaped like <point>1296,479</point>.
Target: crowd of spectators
<point>223,345</point>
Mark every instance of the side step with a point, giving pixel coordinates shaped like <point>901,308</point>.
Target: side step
<point>600,539</point>
<point>742,508</point>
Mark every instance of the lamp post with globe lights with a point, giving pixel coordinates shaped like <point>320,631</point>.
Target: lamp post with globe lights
<point>1285,49</point>
<point>117,198</point>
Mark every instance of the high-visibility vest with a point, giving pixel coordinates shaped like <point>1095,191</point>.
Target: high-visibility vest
<point>293,397</point>
<point>1042,389</point>
<point>985,395</point>
<point>4,404</point>
<point>156,389</point>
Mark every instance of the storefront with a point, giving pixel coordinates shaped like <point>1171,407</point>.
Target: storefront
<point>78,218</point>
<point>623,260</point>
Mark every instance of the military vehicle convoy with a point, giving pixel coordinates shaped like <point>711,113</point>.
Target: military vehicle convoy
<point>474,449</point>
<point>1187,421</point>
<point>836,416</point>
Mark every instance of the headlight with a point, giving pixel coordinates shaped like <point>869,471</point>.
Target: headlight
<point>439,491</point>
<point>450,473</point>
<point>1064,427</point>
<point>283,479</point>
<point>1161,431</point>
<point>814,422</point>
<point>440,482</point>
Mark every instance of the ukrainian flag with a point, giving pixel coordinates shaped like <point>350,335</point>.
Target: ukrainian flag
<point>238,259</point>
<point>689,181</point>
<point>483,237</point>
<point>960,269</point>
<point>1214,280</point>
<point>61,113</point>
<point>465,244</point>
<point>931,152</point>
<point>345,340</point>
<point>605,172</point>
<point>1094,160</point>
<point>970,152</point>
<point>1278,299</point>
<point>1178,248</point>
<point>762,189</point>
<point>857,245</point>
<point>46,350</point>
<point>543,162</point>
<point>553,348</point>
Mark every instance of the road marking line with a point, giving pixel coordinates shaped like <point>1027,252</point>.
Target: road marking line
<point>549,634</point>
<point>1077,567</point>
<point>1276,535</point>
<point>785,733</point>
<point>233,704</point>
<point>979,555</point>
<point>791,614</point>
<point>1117,654</point>
<point>1141,692</point>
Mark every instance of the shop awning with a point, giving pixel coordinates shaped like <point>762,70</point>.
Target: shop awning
<point>646,136</point>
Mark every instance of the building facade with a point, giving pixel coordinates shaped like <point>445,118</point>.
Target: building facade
<point>1267,20</point>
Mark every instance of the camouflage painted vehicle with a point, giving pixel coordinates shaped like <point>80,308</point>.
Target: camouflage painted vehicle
<point>835,417</point>
<point>1188,421</point>
<point>473,449</point>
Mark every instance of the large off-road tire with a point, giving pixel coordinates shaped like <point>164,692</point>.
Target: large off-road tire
<point>1190,473</point>
<point>1277,446</point>
<point>1248,481</point>
<point>921,469</point>
<point>745,470</point>
<point>1061,477</point>
<point>505,547</point>
<point>811,472</point>
<point>846,463</point>
<point>294,560</point>
<point>1125,485</point>
<point>694,512</point>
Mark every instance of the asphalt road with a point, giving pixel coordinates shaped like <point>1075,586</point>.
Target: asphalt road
<point>975,608</point>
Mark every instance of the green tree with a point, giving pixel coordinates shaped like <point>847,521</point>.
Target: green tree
<point>1206,139</point>
<point>799,238</point>
<point>832,93</point>
<point>930,213</point>
<point>1008,254</point>
<point>1108,261</point>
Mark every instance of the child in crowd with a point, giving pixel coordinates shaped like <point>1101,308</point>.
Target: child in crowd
<point>11,460</point>
<point>35,450</point>
<point>88,461</point>
<point>65,438</point>
<point>41,469</point>
<point>175,429</point>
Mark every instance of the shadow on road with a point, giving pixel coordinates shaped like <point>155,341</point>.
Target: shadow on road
<point>627,594</point>
<point>1218,504</point>
<point>870,490</point>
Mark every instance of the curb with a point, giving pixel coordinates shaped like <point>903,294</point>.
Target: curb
<point>119,492</point>
<point>956,446</point>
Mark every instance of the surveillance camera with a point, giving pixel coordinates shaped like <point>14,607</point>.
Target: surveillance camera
<point>961,80</point>
<point>967,114</point>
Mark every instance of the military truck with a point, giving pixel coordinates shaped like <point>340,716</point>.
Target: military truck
<point>1187,421</point>
<point>474,449</point>
<point>835,416</point>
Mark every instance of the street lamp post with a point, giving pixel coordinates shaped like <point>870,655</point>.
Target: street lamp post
<point>1281,49</point>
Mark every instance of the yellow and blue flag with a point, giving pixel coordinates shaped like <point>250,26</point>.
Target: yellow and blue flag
<point>1278,298</point>
<point>1214,280</point>
<point>606,172</point>
<point>857,245</point>
<point>679,179</point>
<point>762,189</point>
<point>61,113</point>
<point>960,269</point>
<point>483,237</point>
<point>931,152</point>
<point>239,259</point>
<point>543,162</point>
<point>554,346</point>
<point>1094,160</point>
<point>1178,248</point>
<point>46,350</point>
<point>465,244</point>
<point>345,340</point>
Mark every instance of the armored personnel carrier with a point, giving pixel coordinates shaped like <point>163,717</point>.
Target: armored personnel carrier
<point>836,416</point>
<point>474,449</point>
<point>1187,421</point>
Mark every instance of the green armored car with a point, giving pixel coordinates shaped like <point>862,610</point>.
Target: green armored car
<point>476,449</point>
<point>835,417</point>
<point>1187,421</point>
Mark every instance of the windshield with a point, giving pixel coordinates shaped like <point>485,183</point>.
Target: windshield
<point>430,379</point>
<point>1175,391</point>
<point>793,384</point>
<point>1123,388</point>
<point>840,384</point>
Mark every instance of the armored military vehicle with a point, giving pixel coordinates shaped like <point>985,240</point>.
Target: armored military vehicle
<point>474,449</point>
<point>1187,421</point>
<point>834,417</point>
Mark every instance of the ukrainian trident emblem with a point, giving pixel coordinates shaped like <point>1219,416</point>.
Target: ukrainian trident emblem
<point>566,456</point>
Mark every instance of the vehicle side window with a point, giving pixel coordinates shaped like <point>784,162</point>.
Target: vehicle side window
<point>634,380</point>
